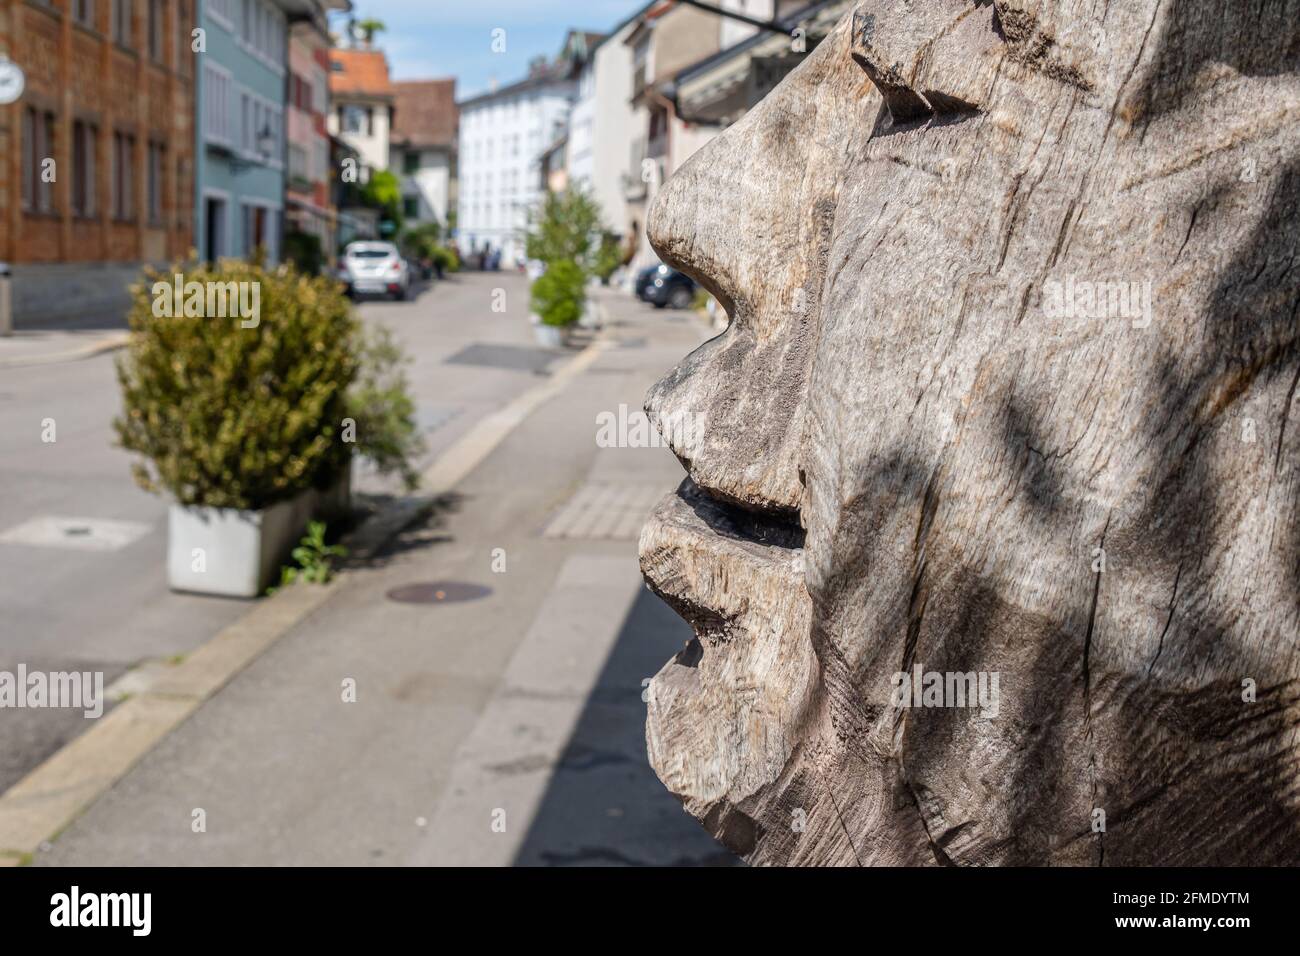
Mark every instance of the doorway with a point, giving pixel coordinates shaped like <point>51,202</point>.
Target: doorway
<point>214,237</point>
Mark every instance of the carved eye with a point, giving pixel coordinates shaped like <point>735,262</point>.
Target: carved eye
<point>898,33</point>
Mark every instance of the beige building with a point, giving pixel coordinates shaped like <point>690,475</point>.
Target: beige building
<point>670,39</point>
<point>361,113</point>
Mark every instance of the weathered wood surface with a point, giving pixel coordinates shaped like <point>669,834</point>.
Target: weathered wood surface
<point>920,441</point>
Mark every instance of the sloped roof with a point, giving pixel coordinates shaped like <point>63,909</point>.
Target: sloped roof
<point>359,72</point>
<point>426,113</point>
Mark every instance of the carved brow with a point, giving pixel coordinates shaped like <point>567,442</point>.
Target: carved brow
<point>902,102</point>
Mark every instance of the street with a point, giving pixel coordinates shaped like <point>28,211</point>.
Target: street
<point>525,700</point>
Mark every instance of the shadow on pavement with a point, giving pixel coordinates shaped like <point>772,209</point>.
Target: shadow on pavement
<point>604,806</point>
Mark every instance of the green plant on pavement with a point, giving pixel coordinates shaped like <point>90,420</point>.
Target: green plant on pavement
<point>609,256</point>
<point>422,239</point>
<point>558,294</point>
<point>447,256</point>
<point>304,250</point>
<point>314,558</point>
<point>380,404</point>
<point>229,416</point>
<point>563,232</point>
<point>234,417</point>
<point>565,226</point>
<point>384,192</point>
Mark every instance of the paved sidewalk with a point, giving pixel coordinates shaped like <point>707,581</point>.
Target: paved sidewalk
<point>47,347</point>
<point>504,729</point>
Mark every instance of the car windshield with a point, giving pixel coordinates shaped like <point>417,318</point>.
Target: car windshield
<point>369,253</point>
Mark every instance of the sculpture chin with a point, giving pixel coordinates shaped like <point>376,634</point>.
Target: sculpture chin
<point>724,713</point>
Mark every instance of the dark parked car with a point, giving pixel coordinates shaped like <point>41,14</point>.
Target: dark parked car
<point>660,286</point>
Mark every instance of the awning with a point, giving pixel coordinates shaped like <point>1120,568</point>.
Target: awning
<point>725,85</point>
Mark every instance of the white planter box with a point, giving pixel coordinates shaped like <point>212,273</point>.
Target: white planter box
<point>238,553</point>
<point>551,336</point>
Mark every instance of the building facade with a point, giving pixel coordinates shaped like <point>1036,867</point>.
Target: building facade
<point>603,122</point>
<point>96,156</point>
<point>694,72</point>
<point>361,111</point>
<point>311,219</point>
<point>503,134</point>
<point>241,153</point>
<point>667,38</point>
<point>720,89</point>
<point>423,148</point>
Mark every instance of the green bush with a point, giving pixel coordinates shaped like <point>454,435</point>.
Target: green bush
<point>609,256</point>
<point>314,557</point>
<point>383,191</point>
<point>565,226</point>
<point>380,404</point>
<point>236,414</point>
<point>447,256</point>
<point>421,240</point>
<point>559,293</point>
<point>304,250</point>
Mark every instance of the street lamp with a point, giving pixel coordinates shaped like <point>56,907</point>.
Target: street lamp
<point>265,142</point>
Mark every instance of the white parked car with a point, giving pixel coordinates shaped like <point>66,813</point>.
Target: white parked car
<point>375,267</point>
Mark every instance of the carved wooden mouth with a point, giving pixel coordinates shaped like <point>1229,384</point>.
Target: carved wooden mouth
<point>715,563</point>
<point>729,520</point>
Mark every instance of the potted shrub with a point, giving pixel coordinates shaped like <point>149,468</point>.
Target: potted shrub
<point>564,235</point>
<point>243,416</point>
<point>557,300</point>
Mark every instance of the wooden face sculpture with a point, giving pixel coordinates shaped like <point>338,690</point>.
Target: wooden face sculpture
<point>990,535</point>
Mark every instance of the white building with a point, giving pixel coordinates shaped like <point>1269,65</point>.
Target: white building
<point>503,134</point>
<point>362,108</point>
<point>604,123</point>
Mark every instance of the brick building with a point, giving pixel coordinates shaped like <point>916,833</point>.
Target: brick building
<point>109,98</point>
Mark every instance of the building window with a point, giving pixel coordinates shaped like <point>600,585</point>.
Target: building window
<point>216,104</point>
<point>123,178</point>
<point>411,207</point>
<point>155,35</point>
<point>298,163</point>
<point>355,119</point>
<point>157,163</point>
<point>85,138</point>
<point>38,146</point>
<point>261,231</point>
<point>83,12</point>
<point>223,12</point>
<point>411,162</point>
<point>122,22</point>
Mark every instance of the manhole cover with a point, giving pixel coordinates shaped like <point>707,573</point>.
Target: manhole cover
<point>438,592</point>
<point>83,534</point>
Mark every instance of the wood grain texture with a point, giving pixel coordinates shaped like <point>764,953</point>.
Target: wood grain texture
<point>1009,388</point>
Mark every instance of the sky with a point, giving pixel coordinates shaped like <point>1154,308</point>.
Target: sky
<point>426,39</point>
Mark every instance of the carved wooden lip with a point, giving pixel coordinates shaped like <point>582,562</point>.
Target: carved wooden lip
<point>688,523</point>
<point>732,522</point>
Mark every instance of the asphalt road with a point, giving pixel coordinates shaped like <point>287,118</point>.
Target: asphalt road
<point>82,548</point>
